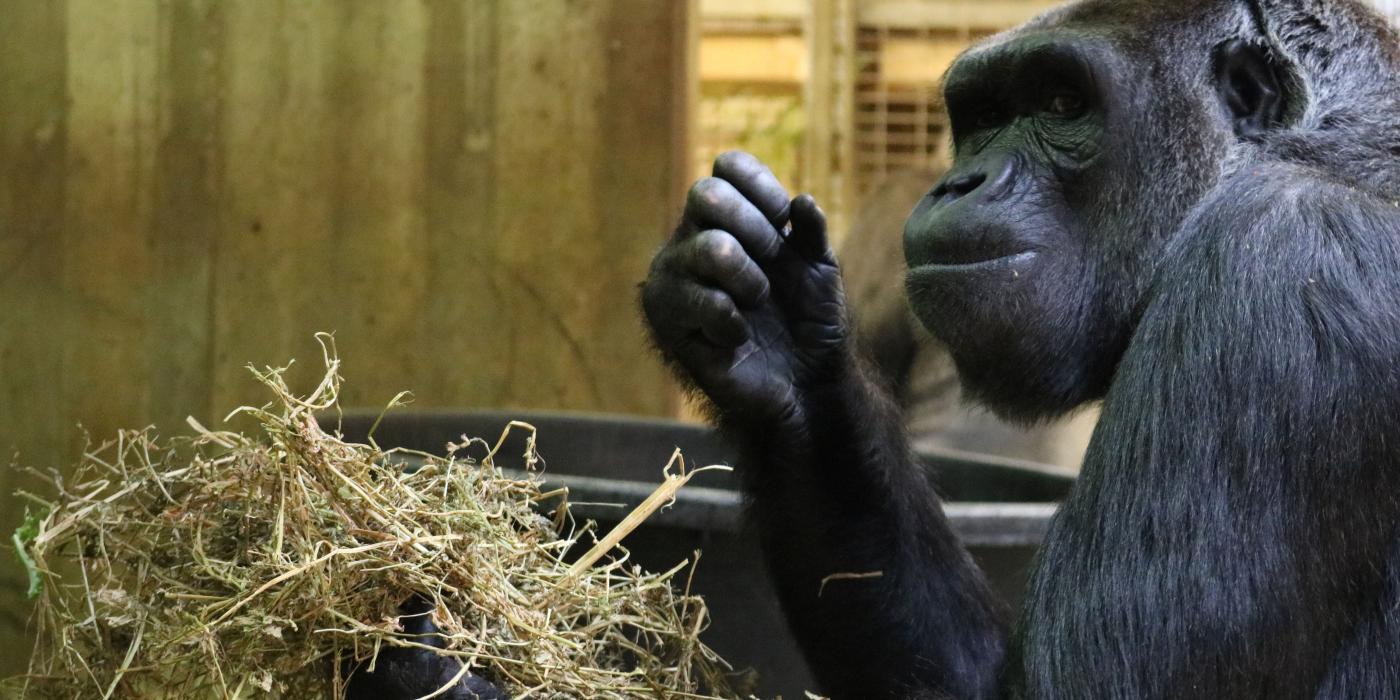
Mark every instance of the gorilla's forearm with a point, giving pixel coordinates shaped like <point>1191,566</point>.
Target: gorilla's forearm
<point>837,492</point>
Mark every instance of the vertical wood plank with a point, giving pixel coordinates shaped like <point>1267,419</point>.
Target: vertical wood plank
<point>326,226</point>
<point>465,319</point>
<point>275,284</point>
<point>188,213</point>
<point>33,140</point>
<point>569,175</point>
<point>113,112</point>
<point>829,94</point>
<point>377,190</point>
<point>547,202</point>
<point>641,38</point>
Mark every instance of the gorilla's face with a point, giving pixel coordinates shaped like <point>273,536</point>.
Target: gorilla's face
<point>1029,257</point>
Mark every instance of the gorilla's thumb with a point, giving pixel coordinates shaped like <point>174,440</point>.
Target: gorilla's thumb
<point>808,236</point>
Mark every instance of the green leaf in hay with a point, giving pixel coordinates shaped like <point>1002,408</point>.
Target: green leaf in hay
<point>24,536</point>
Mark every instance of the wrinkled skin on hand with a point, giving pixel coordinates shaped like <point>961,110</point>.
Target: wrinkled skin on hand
<point>746,298</point>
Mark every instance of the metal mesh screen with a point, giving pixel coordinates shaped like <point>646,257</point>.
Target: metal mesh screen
<point>899,119</point>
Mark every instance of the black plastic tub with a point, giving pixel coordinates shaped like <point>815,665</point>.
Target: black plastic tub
<point>999,507</point>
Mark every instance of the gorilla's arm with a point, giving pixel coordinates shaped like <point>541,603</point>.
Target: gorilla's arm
<point>844,496</point>
<point>756,319</point>
<point>1240,497</point>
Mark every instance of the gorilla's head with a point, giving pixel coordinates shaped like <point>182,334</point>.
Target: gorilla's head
<point>1081,145</point>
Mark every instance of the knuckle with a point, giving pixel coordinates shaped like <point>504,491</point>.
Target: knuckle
<point>708,192</point>
<point>706,239</point>
<point>762,288</point>
<point>663,265</point>
<point>771,248</point>
<point>724,249</point>
<point>700,298</point>
<point>712,303</point>
<point>660,294</point>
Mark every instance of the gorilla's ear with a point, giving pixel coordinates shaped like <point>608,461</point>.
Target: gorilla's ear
<point>1250,86</point>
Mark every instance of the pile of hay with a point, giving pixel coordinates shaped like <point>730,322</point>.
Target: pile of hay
<point>219,565</point>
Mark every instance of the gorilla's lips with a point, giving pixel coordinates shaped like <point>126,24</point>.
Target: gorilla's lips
<point>972,261</point>
<point>970,240</point>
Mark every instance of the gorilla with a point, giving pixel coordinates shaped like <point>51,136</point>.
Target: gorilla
<point>1189,210</point>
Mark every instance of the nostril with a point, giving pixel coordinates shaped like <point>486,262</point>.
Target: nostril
<point>964,185</point>
<point>956,188</point>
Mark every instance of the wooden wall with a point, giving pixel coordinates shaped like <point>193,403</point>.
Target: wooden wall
<point>465,191</point>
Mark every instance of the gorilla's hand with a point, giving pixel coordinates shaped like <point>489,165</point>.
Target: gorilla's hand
<point>407,674</point>
<point>404,673</point>
<point>754,315</point>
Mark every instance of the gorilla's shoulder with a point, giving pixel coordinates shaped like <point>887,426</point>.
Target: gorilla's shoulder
<point>1279,216</point>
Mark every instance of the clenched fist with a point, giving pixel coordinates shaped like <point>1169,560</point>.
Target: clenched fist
<point>746,297</point>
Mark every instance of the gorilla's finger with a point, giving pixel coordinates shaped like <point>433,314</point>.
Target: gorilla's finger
<point>709,366</point>
<point>660,297</point>
<point>750,176</point>
<point>719,259</point>
<point>677,308</point>
<point>715,203</point>
<point>808,237</point>
<point>482,690</point>
<point>716,316</point>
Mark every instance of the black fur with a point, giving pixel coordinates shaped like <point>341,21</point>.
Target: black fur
<point>1190,210</point>
<point>405,673</point>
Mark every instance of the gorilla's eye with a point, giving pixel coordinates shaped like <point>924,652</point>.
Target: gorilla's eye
<point>1065,104</point>
<point>989,117</point>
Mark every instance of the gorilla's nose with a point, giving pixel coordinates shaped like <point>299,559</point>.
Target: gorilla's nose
<point>965,219</point>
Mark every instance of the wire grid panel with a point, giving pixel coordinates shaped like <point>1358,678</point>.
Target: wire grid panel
<point>900,123</point>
